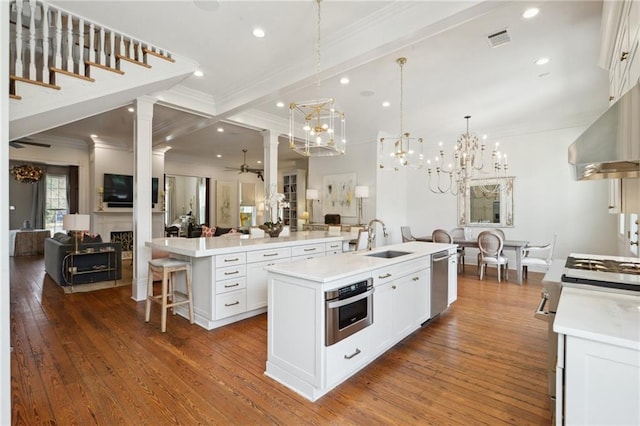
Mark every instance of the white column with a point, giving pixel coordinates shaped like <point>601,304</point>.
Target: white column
<point>270,144</point>
<point>5,348</point>
<point>142,220</point>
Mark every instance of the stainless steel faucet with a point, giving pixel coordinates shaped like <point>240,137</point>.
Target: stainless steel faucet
<point>372,234</point>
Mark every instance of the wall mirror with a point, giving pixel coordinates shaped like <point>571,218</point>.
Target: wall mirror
<point>486,202</point>
<point>186,200</point>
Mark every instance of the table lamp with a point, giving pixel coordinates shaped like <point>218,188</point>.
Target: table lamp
<point>76,224</point>
<point>361,192</point>
<point>312,195</point>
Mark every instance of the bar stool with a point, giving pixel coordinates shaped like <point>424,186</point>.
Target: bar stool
<point>168,267</point>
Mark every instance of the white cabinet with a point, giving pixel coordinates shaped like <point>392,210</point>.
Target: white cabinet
<point>601,383</point>
<point>452,293</point>
<point>624,195</point>
<point>257,283</point>
<point>624,48</point>
<point>347,356</point>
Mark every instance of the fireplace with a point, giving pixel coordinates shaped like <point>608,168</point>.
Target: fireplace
<point>125,238</point>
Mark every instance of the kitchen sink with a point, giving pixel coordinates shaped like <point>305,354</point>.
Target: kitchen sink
<point>389,254</point>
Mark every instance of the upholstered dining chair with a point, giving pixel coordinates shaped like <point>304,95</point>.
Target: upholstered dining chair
<point>406,234</point>
<point>458,234</point>
<point>441,236</point>
<point>538,256</point>
<point>490,244</point>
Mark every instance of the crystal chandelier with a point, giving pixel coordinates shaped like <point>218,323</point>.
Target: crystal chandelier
<point>467,164</point>
<point>318,119</point>
<point>402,150</point>
<point>27,173</point>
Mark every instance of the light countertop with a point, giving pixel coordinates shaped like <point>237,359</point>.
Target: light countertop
<point>600,316</point>
<point>230,243</point>
<point>336,267</point>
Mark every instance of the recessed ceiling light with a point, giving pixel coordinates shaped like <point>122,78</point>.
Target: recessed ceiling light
<point>386,104</point>
<point>130,109</point>
<point>530,13</point>
<point>218,156</point>
<point>280,104</point>
<point>93,135</point>
<point>220,130</point>
<point>344,80</point>
<point>542,61</point>
<point>258,32</point>
<point>198,73</point>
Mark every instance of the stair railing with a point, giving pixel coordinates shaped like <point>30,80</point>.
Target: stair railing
<point>46,39</point>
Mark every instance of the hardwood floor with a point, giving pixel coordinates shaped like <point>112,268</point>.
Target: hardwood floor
<point>89,358</point>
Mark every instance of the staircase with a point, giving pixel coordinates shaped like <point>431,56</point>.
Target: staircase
<point>64,68</point>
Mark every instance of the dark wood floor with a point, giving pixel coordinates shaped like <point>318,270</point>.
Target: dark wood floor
<point>89,358</point>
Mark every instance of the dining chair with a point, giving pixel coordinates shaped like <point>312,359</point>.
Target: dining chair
<point>441,236</point>
<point>406,234</point>
<point>458,234</point>
<point>363,240</point>
<point>490,244</point>
<point>538,256</point>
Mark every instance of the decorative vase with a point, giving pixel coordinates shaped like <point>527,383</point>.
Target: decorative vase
<point>273,229</point>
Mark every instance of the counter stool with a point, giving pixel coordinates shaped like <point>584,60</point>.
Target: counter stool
<point>168,267</point>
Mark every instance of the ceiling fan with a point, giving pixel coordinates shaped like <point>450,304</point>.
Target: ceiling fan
<point>21,142</point>
<point>244,168</point>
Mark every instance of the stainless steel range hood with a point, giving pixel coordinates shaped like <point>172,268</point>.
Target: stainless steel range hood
<point>610,147</point>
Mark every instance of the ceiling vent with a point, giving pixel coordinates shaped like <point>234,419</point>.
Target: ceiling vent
<point>499,38</point>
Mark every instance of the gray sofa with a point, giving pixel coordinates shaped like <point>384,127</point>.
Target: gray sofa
<point>55,251</point>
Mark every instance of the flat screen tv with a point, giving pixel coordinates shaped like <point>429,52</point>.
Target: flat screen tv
<point>118,190</point>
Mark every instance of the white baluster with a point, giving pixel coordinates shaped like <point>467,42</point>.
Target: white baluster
<point>81,46</point>
<point>69,43</point>
<point>45,43</point>
<point>32,41</point>
<point>121,51</point>
<point>112,49</point>
<point>19,38</point>
<point>57,62</point>
<point>102,46</point>
<point>139,52</point>
<point>92,42</point>
<point>130,53</point>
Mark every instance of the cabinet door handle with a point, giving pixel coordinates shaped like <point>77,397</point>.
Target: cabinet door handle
<point>624,56</point>
<point>416,278</point>
<point>237,302</point>
<point>357,352</point>
<point>235,259</point>
<point>387,275</point>
<point>310,249</point>
<point>270,255</point>
<point>232,273</point>
<point>393,286</point>
<point>231,285</point>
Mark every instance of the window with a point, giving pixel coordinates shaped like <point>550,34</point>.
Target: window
<point>57,204</point>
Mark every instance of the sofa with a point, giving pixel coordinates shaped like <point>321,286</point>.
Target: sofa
<point>58,247</point>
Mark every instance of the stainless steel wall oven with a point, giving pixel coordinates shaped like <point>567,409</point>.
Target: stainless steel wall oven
<point>348,309</point>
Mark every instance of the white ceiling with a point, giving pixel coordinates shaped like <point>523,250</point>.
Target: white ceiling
<point>451,69</point>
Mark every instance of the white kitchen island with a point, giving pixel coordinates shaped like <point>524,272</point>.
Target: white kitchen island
<point>228,275</point>
<point>297,354</point>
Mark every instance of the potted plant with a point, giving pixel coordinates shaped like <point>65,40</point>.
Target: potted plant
<point>272,228</point>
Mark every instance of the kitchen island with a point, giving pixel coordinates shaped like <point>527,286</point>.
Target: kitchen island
<point>228,275</point>
<point>301,353</point>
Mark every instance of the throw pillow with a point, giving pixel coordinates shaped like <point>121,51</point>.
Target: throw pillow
<point>208,232</point>
<point>62,238</point>
<point>91,238</point>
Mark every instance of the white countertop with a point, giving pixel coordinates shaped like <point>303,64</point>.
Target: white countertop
<point>210,246</point>
<point>331,268</point>
<point>600,316</point>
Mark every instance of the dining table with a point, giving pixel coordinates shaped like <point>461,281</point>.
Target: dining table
<point>515,245</point>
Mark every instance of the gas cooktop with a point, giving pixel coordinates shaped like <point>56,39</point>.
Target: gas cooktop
<point>603,271</point>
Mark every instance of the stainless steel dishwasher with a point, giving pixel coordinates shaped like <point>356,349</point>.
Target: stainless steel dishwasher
<point>440,281</point>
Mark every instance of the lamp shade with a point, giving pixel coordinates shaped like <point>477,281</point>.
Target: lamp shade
<point>362,192</point>
<point>76,222</point>
<point>312,194</point>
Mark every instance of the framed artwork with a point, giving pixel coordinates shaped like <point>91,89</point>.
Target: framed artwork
<point>338,194</point>
<point>226,204</point>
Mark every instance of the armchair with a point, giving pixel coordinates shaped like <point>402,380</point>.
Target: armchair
<point>538,256</point>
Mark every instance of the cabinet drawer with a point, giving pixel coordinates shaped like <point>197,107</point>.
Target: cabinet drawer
<point>307,249</point>
<point>225,286</point>
<point>307,256</point>
<point>230,259</point>
<point>262,255</point>
<point>387,274</point>
<point>232,303</point>
<point>231,272</point>
<point>333,248</point>
<point>348,356</point>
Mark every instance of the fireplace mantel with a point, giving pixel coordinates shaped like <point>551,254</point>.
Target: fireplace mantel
<point>106,222</point>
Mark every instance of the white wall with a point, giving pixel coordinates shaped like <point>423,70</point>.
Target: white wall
<point>547,199</point>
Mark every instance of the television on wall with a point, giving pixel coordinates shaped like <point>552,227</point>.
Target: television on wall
<point>118,190</point>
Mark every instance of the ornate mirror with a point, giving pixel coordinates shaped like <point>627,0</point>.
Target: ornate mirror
<point>486,202</point>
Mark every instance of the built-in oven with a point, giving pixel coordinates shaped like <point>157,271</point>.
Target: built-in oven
<point>348,310</point>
